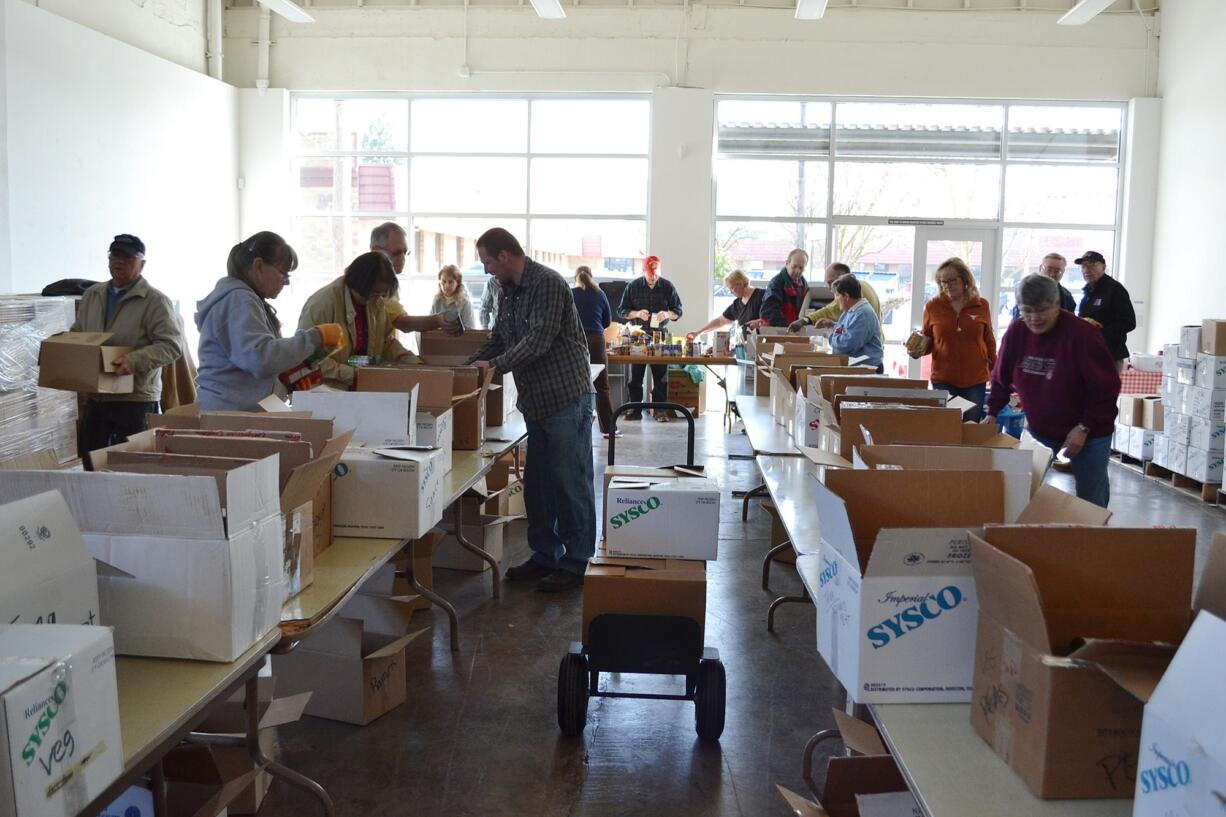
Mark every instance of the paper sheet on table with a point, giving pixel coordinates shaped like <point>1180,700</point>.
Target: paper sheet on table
<point>960,403</point>
<point>893,804</point>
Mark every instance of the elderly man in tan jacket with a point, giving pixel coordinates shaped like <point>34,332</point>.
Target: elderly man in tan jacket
<point>136,315</point>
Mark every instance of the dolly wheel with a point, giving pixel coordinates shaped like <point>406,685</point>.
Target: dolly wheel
<point>709,699</point>
<point>572,694</point>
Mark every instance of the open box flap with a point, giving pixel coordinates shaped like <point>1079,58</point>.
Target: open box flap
<point>920,552</point>
<point>827,459</point>
<point>1007,591</point>
<point>1041,459</point>
<point>890,424</point>
<point>1134,666</point>
<point>110,354</point>
<point>1211,592</point>
<point>1098,582</point>
<point>336,445</point>
<point>290,454</point>
<point>835,524</point>
<point>434,385</point>
<point>835,385</point>
<point>316,430</point>
<point>1189,696</point>
<point>393,647</point>
<point>141,441</point>
<point>858,736</point>
<point>374,415</point>
<point>110,571</point>
<point>1050,505</point>
<point>304,482</point>
<point>985,435</point>
<point>801,806</point>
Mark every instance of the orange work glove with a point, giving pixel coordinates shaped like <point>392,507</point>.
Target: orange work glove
<point>331,334</point>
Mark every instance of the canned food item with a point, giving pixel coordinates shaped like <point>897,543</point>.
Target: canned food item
<point>358,361</point>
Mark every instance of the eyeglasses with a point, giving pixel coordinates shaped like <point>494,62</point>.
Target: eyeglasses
<point>1027,312</point>
<point>1048,269</point>
<point>949,281</point>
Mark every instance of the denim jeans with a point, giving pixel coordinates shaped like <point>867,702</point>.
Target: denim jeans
<point>558,492</point>
<point>1089,468</point>
<point>975,394</point>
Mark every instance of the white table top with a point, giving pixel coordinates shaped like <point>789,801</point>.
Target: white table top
<point>789,480</point>
<point>953,773</point>
<point>765,436</point>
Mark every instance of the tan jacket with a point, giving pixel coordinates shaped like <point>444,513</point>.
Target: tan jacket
<point>333,304</point>
<point>144,320</point>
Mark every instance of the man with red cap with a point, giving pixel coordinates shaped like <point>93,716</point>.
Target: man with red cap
<point>650,302</point>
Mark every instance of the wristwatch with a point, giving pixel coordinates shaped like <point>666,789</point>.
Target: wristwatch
<point>1084,428</point>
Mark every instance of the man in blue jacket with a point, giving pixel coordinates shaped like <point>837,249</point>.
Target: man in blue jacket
<point>857,333</point>
<point>786,292</point>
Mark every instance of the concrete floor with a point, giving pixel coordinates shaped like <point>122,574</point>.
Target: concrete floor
<point>478,736</point>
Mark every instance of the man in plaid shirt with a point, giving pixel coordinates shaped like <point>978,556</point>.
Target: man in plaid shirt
<point>537,337</point>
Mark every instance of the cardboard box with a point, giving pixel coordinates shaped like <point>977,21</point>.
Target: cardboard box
<point>1141,444</point>
<point>378,419</point>
<point>387,493</point>
<point>1162,451</point>
<point>1189,342</point>
<point>503,491</point>
<point>783,398</point>
<point>888,425</point>
<point>438,349</point>
<point>1182,765</point>
<point>1206,434</point>
<point>896,605</point>
<point>62,744</point>
<point>1185,371</point>
<point>807,382</point>
<point>436,401</point>
<point>683,390</point>
<point>486,532</point>
<point>1203,466</point>
<point>1208,404</point>
<point>82,362</point>
<point>1060,609</point>
<point>806,422</point>
<point>1210,371</point>
<point>199,540</point>
<point>46,574</point>
<point>1152,415</point>
<point>1131,410</point>
<point>644,587</point>
<point>1017,466</point>
<point>1178,427</point>
<point>1213,337</point>
<point>327,442</point>
<point>1170,353</point>
<point>206,768</point>
<point>832,386</point>
<point>662,517</point>
<point>1178,456</point>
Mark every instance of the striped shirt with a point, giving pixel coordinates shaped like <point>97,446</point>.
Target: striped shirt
<point>537,337</point>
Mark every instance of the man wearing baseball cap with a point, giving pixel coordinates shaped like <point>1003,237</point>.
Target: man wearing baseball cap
<point>136,315</point>
<point>650,302</point>
<point>1106,304</point>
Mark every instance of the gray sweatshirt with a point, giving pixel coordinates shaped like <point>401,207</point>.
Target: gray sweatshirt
<point>241,353</point>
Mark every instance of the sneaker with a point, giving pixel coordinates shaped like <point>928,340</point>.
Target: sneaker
<point>529,571</point>
<point>559,581</point>
<point>662,416</point>
<point>633,415</point>
<point>617,434</point>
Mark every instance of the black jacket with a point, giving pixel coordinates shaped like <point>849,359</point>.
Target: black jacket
<point>1108,303</point>
<point>637,295</point>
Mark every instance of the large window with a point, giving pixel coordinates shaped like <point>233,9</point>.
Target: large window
<point>851,179</point>
<point>567,176</point>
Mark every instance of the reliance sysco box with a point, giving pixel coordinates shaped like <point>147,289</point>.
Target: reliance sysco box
<point>662,518</point>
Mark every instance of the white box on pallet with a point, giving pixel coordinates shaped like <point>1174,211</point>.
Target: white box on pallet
<point>662,518</point>
<point>1185,372</point>
<point>1178,457</point>
<point>1141,444</point>
<point>1120,437</point>
<point>1178,427</point>
<point>1206,434</point>
<point>1162,449</point>
<point>1170,353</point>
<point>1189,341</point>
<point>1204,466</point>
<point>1208,404</point>
<point>1210,371</point>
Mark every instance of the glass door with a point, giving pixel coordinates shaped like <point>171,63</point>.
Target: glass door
<point>933,245</point>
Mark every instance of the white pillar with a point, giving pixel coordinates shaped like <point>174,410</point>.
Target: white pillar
<point>264,161</point>
<point>1139,177</point>
<point>679,211</point>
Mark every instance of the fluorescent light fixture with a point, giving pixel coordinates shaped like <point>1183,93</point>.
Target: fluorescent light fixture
<point>810,9</point>
<point>1084,12</point>
<point>549,9</point>
<point>287,9</point>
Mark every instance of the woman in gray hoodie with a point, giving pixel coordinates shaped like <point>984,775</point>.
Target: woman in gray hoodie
<point>241,348</point>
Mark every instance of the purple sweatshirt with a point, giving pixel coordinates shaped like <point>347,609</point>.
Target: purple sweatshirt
<point>1065,376</point>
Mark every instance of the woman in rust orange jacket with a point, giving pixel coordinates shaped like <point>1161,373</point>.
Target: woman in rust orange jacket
<point>958,333</point>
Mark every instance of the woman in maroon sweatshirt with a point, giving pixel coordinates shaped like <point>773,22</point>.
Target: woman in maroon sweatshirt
<point>1067,380</point>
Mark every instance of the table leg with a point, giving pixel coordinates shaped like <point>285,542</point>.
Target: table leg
<point>770,557</point>
<point>271,766</point>
<point>770,612</point>
<point>457,510</point>
<point>748,495</point>
<point>443,604</point>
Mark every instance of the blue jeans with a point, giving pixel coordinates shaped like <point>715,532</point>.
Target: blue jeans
<point>1089,468</point>
<point>558,492</point>
<point>975,394</point>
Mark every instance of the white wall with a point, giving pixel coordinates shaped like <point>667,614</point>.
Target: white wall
<point>1189,275</point>
<point>171,29</point>
<point>1138,180</point>
<point>111,139</point>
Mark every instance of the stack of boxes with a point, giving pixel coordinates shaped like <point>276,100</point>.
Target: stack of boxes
<point>1194,403</point>
<point>1138,425</point>
<point>32,418</point>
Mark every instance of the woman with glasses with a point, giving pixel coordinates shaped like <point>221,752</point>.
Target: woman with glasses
<point>958,334</point>
<point>356,302</point>
<point>1062,369</point>
<point>241,348</point>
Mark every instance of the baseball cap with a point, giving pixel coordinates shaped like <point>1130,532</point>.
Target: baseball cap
<point>129,245</point>
<point>1091,257</point>
<point>651,260</point>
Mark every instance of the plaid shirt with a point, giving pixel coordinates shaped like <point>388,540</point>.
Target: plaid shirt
<point>637,295</point>
<point>537,337</point>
